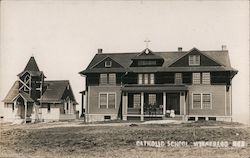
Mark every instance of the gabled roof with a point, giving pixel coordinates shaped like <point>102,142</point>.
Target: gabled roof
<point>55,90</point>
<point>125,59</point>
<point>13,92</point>
<point>25,96</point>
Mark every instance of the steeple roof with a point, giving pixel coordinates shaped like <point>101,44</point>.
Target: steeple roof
<point>32,68</point>
<point>31,65</point>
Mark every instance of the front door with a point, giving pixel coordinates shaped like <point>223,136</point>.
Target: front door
<point>173,102</point>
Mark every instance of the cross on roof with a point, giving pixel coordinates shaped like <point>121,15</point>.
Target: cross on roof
<point>147,42</point>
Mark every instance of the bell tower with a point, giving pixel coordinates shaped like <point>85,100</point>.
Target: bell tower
<point>31,80</point>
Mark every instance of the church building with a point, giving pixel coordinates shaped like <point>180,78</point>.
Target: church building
<point>32,98</point>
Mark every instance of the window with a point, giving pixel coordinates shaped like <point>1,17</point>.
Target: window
<point>196,78</point>
<point>206,78</point>
<point>206,101</point>
<point>146,62</point>
<point>152,78</point>
<point>103,101</point>
<point>108,63</point>
<point>13,107</point>
<point>152,99</point>
<point>103,79</point>
<point>196,101</point>
<point>108,79</point>
<point>111,101</point>
<point>202,101</point>
<point>48,110</point>
<point>146,78</point>
<point>107,100</point>
<point>194,60</point>
<point>178,78</point>
<point>137,101</point>
<point>112,79</point>
<point>140,78</point>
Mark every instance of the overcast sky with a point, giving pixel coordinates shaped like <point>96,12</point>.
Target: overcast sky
<point>64,36</point>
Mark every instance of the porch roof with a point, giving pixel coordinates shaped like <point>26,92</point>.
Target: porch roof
<point>154,88</point>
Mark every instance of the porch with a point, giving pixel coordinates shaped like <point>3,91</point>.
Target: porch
<point>153,101</point>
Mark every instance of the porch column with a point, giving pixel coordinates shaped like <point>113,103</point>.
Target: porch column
<point>182,103</point>
<point>142,106</point>
<point>185,105</point>
<point>124,105</point>
<point>25,112</point>
<point>164,103</point>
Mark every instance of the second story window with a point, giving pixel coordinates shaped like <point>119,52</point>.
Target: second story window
<point>178,78</point>
<point>108,79</point>
<point>196,78</point>
<point>201,78</point>
<point>194,60</point>
<point>146,78</point>
<point>206,78</point>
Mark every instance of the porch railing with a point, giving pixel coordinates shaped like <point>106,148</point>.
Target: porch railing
<point>146,111</point>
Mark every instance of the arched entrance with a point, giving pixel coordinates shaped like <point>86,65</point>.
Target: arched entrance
<point>21,107</point>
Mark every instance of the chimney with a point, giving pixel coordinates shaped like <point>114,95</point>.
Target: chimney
<point>224,47</point>
<point>179,49</point>
<point>99,50</point>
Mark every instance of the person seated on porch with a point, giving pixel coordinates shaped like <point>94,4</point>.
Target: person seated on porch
<point>172,113</point>
<point>167,113</point>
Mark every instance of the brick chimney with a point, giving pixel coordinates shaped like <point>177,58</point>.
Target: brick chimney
<point>179,49</point>
<point>99,50</point>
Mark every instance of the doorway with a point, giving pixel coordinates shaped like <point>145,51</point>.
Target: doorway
<point>173,102</point>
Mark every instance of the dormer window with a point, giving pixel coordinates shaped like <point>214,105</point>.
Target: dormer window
<point>194,60</point>
<point>146,62</point>
<point>108,63</point>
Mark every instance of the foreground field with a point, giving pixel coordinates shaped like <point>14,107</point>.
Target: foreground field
<point>119,140</point>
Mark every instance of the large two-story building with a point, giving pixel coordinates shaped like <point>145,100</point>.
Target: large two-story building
<point>194,85</point>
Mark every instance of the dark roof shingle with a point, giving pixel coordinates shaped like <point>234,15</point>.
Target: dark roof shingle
<point>125,59</point>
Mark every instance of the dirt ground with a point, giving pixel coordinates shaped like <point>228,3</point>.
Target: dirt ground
<point>76,139</point>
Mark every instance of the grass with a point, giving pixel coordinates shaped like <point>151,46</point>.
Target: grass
<point>119,141</point>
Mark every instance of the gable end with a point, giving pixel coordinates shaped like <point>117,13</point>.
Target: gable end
<point>204,60</point>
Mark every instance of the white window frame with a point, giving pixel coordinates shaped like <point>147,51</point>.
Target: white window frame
<point>107,104</point>
<point>143,77</point>
<point>107,79</point>
<point>202,78</point>
<point>108,63</point>
<point>194,60</point>
<point>211,103</point>
<point>193,74</point>
<point>152,78</point>
<point>140,78</point>
<point>181,78</point>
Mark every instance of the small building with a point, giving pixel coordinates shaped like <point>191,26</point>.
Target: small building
<point>187,85</point>
<point>32,98</point>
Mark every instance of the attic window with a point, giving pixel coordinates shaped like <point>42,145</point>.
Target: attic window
<point>194,60</point>
<point>108,63</point>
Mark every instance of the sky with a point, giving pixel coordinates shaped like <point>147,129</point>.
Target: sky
<point>64,36</point>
